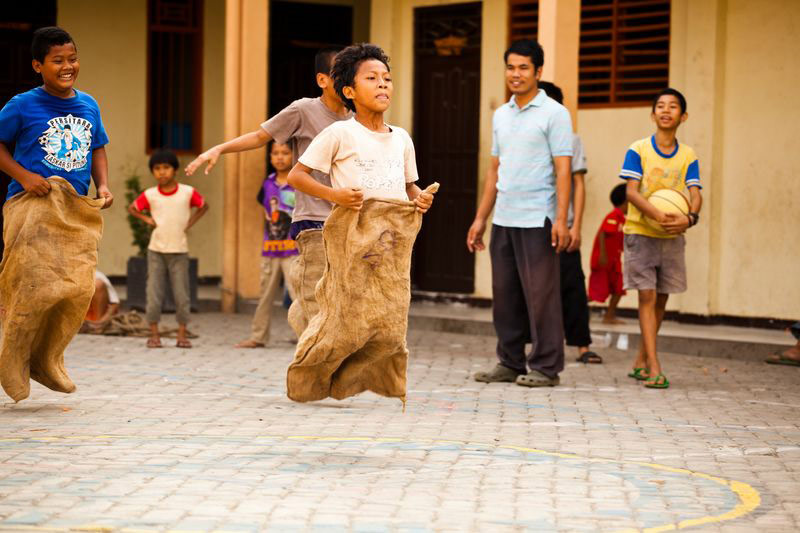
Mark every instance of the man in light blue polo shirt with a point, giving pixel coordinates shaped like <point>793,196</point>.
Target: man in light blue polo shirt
<point>527,184</point>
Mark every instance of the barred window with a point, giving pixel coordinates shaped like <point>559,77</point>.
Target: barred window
<point>624,51</point>
<point>174,74</point>
<point>523,20</point>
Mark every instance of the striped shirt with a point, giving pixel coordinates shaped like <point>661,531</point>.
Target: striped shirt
<point>526,141</point>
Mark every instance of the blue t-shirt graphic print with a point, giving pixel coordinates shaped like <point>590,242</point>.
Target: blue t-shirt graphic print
<point>54,136</point>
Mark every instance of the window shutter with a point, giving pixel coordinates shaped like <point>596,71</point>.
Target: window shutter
<point>523,20</point>
<point>175,79</point>
<point>624,51</point>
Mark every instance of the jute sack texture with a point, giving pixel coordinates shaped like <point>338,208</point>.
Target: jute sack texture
<point>357,341</point>
<point>46,284</point>
<point>306,272</point>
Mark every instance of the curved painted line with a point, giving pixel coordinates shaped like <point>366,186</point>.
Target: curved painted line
<point>749,497</point>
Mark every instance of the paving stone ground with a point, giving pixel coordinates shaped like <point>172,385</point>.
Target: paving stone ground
<point>206,440</point>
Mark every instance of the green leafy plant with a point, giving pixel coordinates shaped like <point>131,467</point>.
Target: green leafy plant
<point>140,230</point>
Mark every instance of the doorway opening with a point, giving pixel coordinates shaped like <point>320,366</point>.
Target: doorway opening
<point>297,31</point>
<point>18,21</point>
<point>447,65</point>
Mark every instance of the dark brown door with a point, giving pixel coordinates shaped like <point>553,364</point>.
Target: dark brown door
<point>294,44</point>
<point>446,123</point>
<point>18,21</point>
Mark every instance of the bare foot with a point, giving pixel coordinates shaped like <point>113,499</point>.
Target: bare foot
<point>249,344</point>
<point>612,320</point>
<point>183,342</point>
<point>154,342</point>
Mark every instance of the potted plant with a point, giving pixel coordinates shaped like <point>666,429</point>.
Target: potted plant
<point>137,264</point>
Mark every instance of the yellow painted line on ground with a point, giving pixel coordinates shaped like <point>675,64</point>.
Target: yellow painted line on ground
<point>749,497</point>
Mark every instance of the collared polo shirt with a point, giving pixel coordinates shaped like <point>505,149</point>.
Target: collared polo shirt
<point>526,141</point>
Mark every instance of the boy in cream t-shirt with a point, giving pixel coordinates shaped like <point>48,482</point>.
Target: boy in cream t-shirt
<point>364,156</point>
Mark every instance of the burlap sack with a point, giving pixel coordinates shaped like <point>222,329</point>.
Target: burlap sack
<point>46,284</point>
<point>357,341</point>
<point>306,272</point>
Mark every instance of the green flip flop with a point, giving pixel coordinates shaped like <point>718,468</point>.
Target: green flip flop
<point>656,383</point>
<point>636,373</point>
<point>780,359</point>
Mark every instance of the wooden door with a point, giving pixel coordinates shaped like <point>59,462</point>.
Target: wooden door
<point>18,21</point>
<point>297,32</point>
<point>446,136</point>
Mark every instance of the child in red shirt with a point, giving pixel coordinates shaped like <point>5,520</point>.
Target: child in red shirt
<point>606,276</point>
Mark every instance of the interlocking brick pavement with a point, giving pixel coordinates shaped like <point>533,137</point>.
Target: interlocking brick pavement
<point>206,440</point>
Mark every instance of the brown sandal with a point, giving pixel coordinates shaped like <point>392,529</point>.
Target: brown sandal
<point>153,342</point>
<point>183,343</point>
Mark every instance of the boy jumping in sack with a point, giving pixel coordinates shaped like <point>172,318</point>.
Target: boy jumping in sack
<point>58,133</point>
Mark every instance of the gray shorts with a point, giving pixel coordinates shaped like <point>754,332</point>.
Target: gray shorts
<point>652,263</point>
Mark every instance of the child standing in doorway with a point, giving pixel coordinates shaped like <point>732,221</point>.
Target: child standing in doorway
<point>170,205</point>
<point>279,250</point>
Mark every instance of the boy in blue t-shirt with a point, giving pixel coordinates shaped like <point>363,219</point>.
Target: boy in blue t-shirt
<point>56,128</point>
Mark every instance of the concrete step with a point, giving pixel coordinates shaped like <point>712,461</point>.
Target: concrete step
<point>708,341</point>
<point>726,342</point>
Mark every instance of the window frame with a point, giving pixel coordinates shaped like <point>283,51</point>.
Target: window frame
<point>197,77</point>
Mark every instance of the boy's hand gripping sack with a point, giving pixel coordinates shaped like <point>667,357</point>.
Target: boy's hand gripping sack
<point>46,284</point>
<point>357,340</point>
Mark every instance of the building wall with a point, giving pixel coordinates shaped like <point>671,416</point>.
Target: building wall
<point>735,61</point>
<point>759,248</point>
<point>112,47</point>
<point>392,24</point>
<point>740,261</point>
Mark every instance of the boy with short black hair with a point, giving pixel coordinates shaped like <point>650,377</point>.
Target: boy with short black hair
<point>58,133</point>
<point>170,206</point>
<point>366,157</point>
<point>297,125</point>
<point>57,128</point>
<point>654,260</point>
<point>606,261</point>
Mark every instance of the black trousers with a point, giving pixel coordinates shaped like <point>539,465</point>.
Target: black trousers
<point>526,299</point>
<point>574,303</point>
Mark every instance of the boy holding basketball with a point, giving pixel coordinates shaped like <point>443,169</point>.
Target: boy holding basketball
<point>654,249</point>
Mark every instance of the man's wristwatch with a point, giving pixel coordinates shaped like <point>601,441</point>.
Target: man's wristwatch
<point>693,218</point>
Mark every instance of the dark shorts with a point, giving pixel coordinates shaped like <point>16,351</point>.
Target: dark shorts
<point>302,225</point>
<point>655,264</point>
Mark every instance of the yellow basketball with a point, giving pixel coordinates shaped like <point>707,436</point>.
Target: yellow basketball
<point>667,201</point>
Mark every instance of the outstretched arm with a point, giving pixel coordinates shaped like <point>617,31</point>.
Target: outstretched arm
<point>248,141</point>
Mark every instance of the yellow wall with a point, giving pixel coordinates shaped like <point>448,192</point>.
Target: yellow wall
<point>736,62</point>
<point>111,39</point>
<point>742,259</point>
<point>759,246</point>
